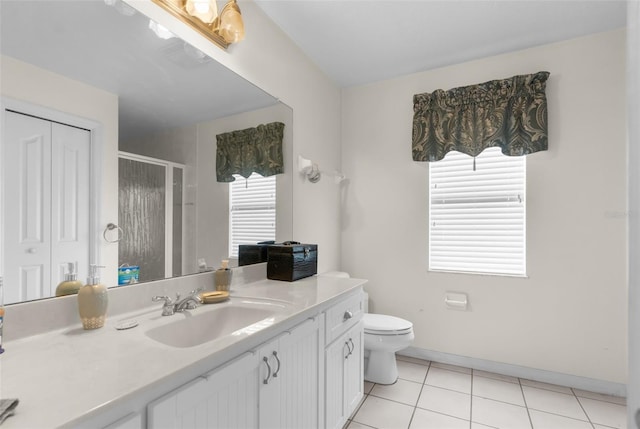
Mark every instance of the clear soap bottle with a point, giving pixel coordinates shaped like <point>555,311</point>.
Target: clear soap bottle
<point>93,300</point>
<point>71,284</point>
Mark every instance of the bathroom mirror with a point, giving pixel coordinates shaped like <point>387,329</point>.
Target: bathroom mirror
<point>169,100</point>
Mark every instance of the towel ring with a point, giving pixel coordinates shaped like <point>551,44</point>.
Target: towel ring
<point>111,227</point>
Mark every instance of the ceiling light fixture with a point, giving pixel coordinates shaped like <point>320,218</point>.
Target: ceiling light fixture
<point>202,15</point>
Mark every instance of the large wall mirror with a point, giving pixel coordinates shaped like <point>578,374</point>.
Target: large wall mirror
<point>116,161</point>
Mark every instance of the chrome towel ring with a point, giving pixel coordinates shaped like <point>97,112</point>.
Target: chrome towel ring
<point>111,227</point>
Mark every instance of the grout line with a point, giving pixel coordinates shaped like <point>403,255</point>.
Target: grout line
<point>583,410</point>
<point>526,406</point>
<point>424,380</point>
<point>471,400</point>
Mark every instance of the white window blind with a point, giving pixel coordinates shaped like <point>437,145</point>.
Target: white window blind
<point>252,216</point>
<point>477,218</point>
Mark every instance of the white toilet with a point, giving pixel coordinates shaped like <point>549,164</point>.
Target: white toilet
<point>383,337</point>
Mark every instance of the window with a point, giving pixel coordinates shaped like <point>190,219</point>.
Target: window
<point>252,211</point>
<point>477,218</point>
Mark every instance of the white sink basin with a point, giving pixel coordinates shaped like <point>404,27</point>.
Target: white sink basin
<point>212,321</point>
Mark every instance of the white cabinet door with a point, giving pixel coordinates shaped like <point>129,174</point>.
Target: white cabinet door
<point>335,356</point>
<point>343,376</point>
<point>226,398</point>
<point>354,369</point>
<point>289,398</point>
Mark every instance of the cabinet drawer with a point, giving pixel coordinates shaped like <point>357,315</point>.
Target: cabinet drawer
<point>343,316</point>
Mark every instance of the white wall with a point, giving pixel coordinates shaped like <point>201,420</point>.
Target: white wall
<point>633,79</point>
<point>270,60</point>
<point>569,315</point>
<point>27,83</point>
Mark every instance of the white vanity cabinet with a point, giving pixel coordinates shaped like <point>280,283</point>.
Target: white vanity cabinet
<point>273,387</point>
<point>343,361</point>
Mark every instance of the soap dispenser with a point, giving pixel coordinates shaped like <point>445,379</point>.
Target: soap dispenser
<point>71,284</point>
<point>93,300</point>
<point>222,276</point>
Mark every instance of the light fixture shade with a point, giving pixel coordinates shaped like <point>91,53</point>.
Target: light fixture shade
<point>231,26</point>
<point>205,10</point>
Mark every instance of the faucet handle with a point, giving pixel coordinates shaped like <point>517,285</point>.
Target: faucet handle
<point>166,299</point>
<point>167,307</point>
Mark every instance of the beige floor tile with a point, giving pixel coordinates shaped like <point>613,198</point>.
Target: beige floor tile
<point>445,401</point>
<point>424,419</point>
<point>368,386</point>
<point>499,414</point>
<point>542,420</point>
<point>497,389</point>
<point>605,413</point>
<point>553,402</point>
<point>600,397</point>
<point>404,391</point>
<point>451,367</point>
<point>384,414</point>
<point>412,371</point>
<point>495,376</point>
<point>546,386</point>
<point>451,380</point>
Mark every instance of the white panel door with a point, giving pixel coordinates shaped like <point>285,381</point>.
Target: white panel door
<point>70,187</point>
<point>27,193</point>
<point>46,189</point>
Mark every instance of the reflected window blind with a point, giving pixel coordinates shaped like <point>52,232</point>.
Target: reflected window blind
<point>477,218</point>
<point>252,216</point>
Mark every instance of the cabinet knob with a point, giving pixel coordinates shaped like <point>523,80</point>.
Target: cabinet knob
<point>32,250</point>
<point>347,315</point>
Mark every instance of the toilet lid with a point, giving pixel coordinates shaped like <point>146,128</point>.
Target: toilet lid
<point>374,323</point>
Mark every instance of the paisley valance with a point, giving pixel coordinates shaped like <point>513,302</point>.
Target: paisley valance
<point>250,150</point>
<point>509,113</point>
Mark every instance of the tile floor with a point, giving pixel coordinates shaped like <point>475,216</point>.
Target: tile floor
<point>433,395</point>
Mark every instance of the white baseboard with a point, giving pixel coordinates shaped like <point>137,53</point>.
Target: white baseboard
<point>583,383</point>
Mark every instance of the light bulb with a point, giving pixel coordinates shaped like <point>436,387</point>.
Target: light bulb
<point>202,6</point>
<point>205,10</point>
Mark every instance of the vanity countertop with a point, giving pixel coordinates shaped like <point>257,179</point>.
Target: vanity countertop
<point>67,377</point>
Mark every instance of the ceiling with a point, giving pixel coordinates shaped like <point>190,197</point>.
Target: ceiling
<point>161,84</point>
<point>362,41</point>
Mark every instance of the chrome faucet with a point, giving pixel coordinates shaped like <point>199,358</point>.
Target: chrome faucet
<point>188,303</point>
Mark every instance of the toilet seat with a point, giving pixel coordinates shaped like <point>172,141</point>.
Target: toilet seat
<point>382,324</point>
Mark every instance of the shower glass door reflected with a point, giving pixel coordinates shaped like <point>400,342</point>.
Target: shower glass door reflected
<point>150,212</point>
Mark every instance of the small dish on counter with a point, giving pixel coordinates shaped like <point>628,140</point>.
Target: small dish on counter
<point>214,297</point>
